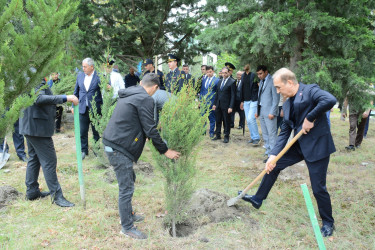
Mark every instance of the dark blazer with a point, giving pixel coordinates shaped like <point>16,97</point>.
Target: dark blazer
<point>94,90</point>
<point>312,103</point>
<point>210,92</point>
<point>39,119</point>
<point>225,97</point>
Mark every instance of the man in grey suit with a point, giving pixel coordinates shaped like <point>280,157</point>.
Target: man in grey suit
<point>267,111</point>
<point>38,125</point>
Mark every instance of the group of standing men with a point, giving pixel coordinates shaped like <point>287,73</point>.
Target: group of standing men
<point>247,96</point>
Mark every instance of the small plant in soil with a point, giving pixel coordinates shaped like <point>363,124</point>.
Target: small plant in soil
<point>182,125</point>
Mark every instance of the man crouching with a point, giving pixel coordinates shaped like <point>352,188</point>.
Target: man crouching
<point>124,139</point>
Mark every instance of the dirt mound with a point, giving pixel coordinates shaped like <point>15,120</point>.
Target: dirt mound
<point>208,206</point>
<point>143,168</point>
<point>8,194</point>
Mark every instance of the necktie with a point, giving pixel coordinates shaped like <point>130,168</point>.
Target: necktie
<point>223,84</point>
<point>208,82</point>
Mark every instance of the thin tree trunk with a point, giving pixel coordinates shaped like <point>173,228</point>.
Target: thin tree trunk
<point>173,227</point>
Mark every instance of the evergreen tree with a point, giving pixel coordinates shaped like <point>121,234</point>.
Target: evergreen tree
<point>33,37</point>
<point>326,42</point>
<point>136,29</point>
<point>182,126</point>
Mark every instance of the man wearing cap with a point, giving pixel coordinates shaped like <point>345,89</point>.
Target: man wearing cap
<point>175,78</point>
<point>150,68</point>
<point>116,82</point>
<point>230,67</point>
<point>124,138</point>
<point>224,104</point>
<point>131,79</point>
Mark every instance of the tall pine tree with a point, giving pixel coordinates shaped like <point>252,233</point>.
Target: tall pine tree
<point>33,38</point>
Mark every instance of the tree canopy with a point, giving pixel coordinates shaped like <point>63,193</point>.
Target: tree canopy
<point>136,30</point>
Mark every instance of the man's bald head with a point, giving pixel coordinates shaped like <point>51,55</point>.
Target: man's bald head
<point>284,75</point>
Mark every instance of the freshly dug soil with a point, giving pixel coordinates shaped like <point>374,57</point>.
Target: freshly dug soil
<point>7,195</point>
<point>208,206</point>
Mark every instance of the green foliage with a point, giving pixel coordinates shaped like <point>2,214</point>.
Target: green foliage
<point>137,29</point>
<point>33,36</point>
<point>226,57</point>
<point>330,43</point>
<point>182,126</point>
<point>66,84</point>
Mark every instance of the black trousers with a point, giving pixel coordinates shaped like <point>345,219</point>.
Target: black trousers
<point>318,176</point>
<point>222,116</point>
<point>125,175</point>
<point>18,141</point>
<point>59,112</point>
<point>237,108</point>
<point>84,122</point>
<point>41,153</point>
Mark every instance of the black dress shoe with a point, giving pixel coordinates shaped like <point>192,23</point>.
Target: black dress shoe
<point>62,202</point>
<point>250,198</point>
<point>350,147</point>
<point>216,138</point>
<point>240,127</point>
<point>23,158</point>
<point>83,155</point>
<point>37,196</point>
<point>226,139</point>
<point>327,230</point>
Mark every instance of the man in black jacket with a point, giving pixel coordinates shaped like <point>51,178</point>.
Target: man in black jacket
<point>224,104</point>
<point>38,126</point>
<point>124,138</point>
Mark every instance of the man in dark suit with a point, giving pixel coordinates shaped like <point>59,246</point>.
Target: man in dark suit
<point>189,78</point>
<point>87,88</point>
<point>208,92</point>
<point>175,78</point>
<point>224,104</point>
<point>304,110</point>
<point>38,124</point>
<point>237,103</point>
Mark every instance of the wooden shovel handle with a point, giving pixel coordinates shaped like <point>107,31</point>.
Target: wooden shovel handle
<point>279,155</point>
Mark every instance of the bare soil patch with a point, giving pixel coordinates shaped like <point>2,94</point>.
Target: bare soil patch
<point>208,206</point>
<point>7,195</point>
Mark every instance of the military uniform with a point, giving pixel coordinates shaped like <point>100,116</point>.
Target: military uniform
<point>175,79</point>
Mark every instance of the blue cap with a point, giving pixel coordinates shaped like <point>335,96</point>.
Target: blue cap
<point>147,61</point>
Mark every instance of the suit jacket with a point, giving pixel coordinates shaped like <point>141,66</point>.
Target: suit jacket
<point>39,119</point>
<point>312,103</point>
<point>268,98</point>
<point>94,90</point>
<point>210,92</point>
<point>239,90</point>
<point>225,97</point>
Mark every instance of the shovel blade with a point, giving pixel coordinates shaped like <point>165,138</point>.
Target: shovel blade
<point>4,157</point>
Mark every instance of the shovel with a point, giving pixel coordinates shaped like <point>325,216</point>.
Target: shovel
<point>234,200</point>
<point>4,156</point>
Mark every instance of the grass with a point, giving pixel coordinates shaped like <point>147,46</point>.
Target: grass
<point>282,222</point>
